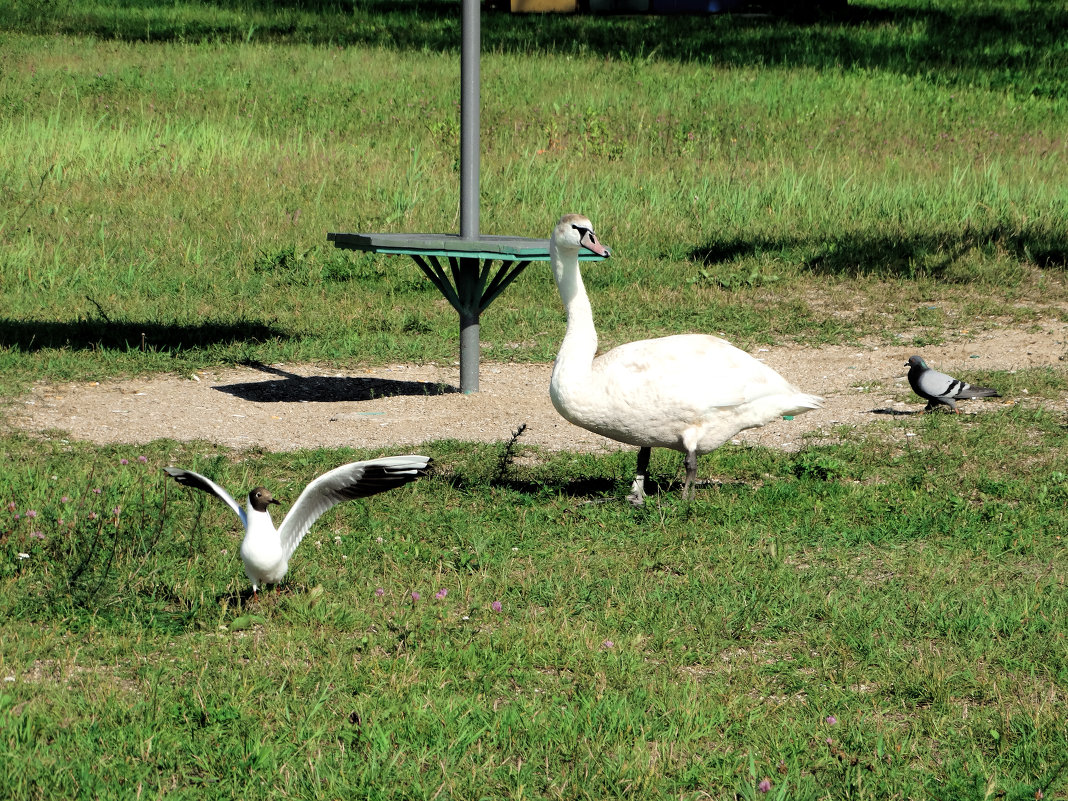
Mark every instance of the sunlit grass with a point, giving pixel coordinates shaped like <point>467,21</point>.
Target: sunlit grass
<point>880,617</point>
<point>889,609</point>
<point>153,186</point>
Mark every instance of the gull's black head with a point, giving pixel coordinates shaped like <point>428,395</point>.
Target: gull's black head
<point>259,499</point>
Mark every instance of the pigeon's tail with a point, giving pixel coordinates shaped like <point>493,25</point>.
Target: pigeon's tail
<point>968,391</point>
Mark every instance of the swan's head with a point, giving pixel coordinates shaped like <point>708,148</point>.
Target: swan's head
<point>575,232</point>
<point>259,499</point>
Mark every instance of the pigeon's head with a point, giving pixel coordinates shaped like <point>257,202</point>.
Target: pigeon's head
<point>917,362</point>
<point>259,498</point>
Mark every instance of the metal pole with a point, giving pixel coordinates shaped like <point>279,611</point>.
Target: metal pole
<point>470,52</point>
<point>466,274</point>
<point>469,353</point>
<point>470,48</point>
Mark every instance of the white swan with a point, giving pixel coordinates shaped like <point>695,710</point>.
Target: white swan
<point>265,550</point>
<point>690,392</point>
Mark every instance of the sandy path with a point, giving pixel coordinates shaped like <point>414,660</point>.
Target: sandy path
<point>286,407</point>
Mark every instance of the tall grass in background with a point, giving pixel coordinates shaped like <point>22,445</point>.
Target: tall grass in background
<point>170,174</point>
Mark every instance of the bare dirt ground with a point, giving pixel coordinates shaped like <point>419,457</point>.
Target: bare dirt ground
<point>286,407</point>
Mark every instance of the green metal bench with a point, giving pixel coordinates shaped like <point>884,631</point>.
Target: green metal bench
<point>473,284</point>
<point>470,285</point>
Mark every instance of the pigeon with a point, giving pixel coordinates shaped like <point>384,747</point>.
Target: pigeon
<point>265,550</point>
<point>940,389</point>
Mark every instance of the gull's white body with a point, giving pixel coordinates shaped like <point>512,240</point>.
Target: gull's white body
<point>265,550</point>
<point>264,557</point>
<point>690,393</point>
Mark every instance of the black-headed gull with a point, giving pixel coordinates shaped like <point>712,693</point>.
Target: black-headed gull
<point>266,550</point>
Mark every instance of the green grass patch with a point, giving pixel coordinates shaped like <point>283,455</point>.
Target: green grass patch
<point>883,617</point>
<point>170,174</point>
<point>888,612</point>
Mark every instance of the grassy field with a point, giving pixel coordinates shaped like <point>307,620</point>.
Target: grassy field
<point>881,618</point>
<point>168,182</point>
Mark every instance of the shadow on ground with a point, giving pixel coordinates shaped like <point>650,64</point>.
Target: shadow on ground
<point>894,412</point>
<point>293,388</point>
<point>893,255</point>
<point>125,335</point>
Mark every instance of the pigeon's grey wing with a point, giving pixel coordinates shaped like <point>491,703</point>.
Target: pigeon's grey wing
<point>968,391</point>
<point>205,484</point>
<point>934,384</point>
<point>345,483</point>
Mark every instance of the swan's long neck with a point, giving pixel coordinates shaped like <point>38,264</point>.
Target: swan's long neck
<point>580,341</point>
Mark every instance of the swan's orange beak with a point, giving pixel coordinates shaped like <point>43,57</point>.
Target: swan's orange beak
<point>589,241</point>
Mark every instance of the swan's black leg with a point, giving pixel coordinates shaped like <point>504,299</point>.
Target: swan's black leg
<point>691,475</point>
<point>637,490</point>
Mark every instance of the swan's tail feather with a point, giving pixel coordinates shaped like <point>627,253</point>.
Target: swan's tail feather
<point>804,402</point>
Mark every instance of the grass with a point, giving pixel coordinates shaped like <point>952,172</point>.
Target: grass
<point>880,618</point>
<point>163,190</point>
<point>881,615</point>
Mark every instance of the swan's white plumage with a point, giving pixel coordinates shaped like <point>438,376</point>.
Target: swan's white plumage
<point>265,551</point>
<point>690,392</point>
